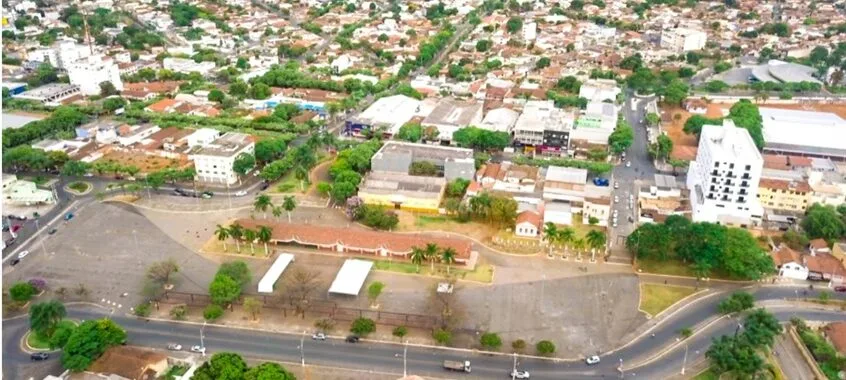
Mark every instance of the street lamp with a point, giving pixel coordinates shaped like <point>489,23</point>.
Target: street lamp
<point>684,362</point>
<point>302,350</point>
<point>620,368</point>
<point>514,368</point>
<point>202,344</point>
<point>404,359</point>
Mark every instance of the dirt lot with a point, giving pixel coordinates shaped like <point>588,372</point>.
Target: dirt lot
<point>684,145</point>
<point>144,162</point>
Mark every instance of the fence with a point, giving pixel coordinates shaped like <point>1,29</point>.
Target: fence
<point>316,308</point>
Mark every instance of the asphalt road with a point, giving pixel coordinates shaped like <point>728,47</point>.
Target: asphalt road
<point>426,361</point>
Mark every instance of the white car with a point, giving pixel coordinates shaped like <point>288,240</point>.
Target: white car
<point>628,164</point>
<point>22,254</point>
<point>198,349</point>
<point>614,224</point>
<point>616,185</point>
<point>318,336</point>
<point>519,374</point>
<point>241,193</point>
<point>174,347</point>
<point>616,199</point>
<point>592,360</point>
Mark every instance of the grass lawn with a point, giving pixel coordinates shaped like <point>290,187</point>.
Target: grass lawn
<point>39,342</point>
<point>38,180</point>
<point>174,371</point>
<point>79,187</point>
<point>583,229</point>
<point>707,375</point>
<point>655,298</point>
<point>674,268</point>
<point>482,273</point>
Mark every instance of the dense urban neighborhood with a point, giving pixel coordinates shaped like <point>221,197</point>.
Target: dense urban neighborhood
<point>331,189</point>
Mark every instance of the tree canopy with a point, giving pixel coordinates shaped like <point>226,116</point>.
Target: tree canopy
<point>88,341</point>
<point>481,139</point>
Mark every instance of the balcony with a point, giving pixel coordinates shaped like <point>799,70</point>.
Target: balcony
<point>744,184</point>
<point>729,183</point>
<point>743,192</point>
<point>714,172</point>
<point>746,176</point>
<point>730,175</point>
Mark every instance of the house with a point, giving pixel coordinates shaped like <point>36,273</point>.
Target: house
<point>695,106</point>
<point>387,114</point>
<point>664,198</point>
<point>528,224</point>
<point>835,332</point>
<point>789,263</point>
<point>600,90</point>
<point>130,363</point>
<point>818,246</point>
<point>451,115</point>
<point>20,192</point>
<point>213,162</point>
<point>508,177</point>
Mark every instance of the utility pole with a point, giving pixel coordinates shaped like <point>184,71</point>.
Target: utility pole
<point>514,368</point>
<point>302,350</point>
<point>684,363</point>
<point>404,360</point>
<point>622,371</point>
<point>202,345</point>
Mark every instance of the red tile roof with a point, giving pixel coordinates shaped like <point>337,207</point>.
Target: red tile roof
<point>784,255</point>
<point>836,334</point>
<point>356,238</point>
<point>530,217</point>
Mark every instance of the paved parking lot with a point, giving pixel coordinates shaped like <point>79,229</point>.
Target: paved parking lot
<point>107,247</point>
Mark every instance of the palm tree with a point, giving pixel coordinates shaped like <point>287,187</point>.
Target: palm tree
<point>431,251</point>
<point>262,203</point>
<point>45,316</point>
<point>276,211</point>
<point>565,236</point>
<point>417,256</point>
<point>550,234</point>
<point>250,236</point>
<point>578,245</point>
<point>236,231</point>
<point>289,204</point>
<point>222,234</point>
<point>448,256</point>
<point>596,240</point>
<point>264,235</point>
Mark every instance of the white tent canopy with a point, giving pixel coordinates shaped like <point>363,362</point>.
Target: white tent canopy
<point>351,277</point>
<point>266,283</point>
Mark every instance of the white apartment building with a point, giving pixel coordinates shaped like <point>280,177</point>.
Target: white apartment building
<point>723,181</point>
<point>214,161</point>
<point>89,72</point>
<point>529,31</point>
<point>61,54</point>
<point>683,39</point>
<point>599,90</point>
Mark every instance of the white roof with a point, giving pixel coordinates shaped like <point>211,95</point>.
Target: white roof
<point>393,111</point>
<point>569,175</point>
<point>728,142</point>
<point>351,277</point>
<point>804,128</point>
<point>266,283</point>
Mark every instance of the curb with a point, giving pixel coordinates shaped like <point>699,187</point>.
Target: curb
<point>739,282</point>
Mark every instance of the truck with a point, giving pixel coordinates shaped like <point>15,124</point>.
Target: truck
<point>456,365</point>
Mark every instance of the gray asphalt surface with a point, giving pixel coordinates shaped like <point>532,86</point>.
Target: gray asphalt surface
<point>426,361</point>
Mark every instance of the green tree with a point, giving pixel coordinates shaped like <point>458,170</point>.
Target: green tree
<point>216,96</point>
<point>595,240</point>
<point>362,326</point>
<point>236,270</point>
<point>545,347</point>
<point>543,62</point>
<point>490,341</point>
<point>88,341</point>
<point>253,306</point>
<point>518,345</point>
<point>675,92</point>
<point>823,221</point>
<point>374,291</point>
<point>75,168</point>
<point>442,336</point>
<point>222,234</point>
<point>514,24</point>
<point>735,303</point>
<point>243,164</point>
<point>289,204</point>
<point>107,89</point>
<point>45,316</point>
<point>448,257</point>
<point>417,256</point>
<point>223,290</point>
<point>22,291</point>
<point>264,235</point>
<point>662,148</point>
<point>621,139</point>
<point>212,312</point>
<point>483,45</point>
<point>113,104</point>
<point>411,132</point>
<point>693,125</point>
<point>61,335</point>
<point>222,365</point>
<point>269,371</point>
<point>262,203</point>
<point>269,149</point>
<point>734,354</point>
<point>400,332</point>
<point>160,272</point>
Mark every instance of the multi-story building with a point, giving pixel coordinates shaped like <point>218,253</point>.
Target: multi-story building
<point>214,161</point>
<point>784,195</point>
<point>658,201</point>
<point>451,115</point>
<point>397,157</point>
<point>187,66</point>
<point>88,73</point>
<point>543,126</point>
<point>723,181</point>
<point>683,39</point>
<point>599,90</point>
<point>827,188</point>
<point>60,55</point>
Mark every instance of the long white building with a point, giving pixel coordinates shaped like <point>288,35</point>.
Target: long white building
<point>723,181</point>
<point>683,39</point>
<point>214,161</point>
<point>89,72</point>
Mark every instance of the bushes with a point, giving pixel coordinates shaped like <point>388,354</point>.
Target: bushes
<point>142,310</point>
<point>442,336</point>
<point>545,347</point>
<point>376,217</point>
<point>490,341</point>
<point>179,312</point>
<point>22,291</point>
<point>212,312</point>
<point>593,167</point>
<point>63,119</point>
<point>363,326</point>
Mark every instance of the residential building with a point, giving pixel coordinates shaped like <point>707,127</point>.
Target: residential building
<point>723,181</point>
<point>528,224</point>
<point>397,157</point>
<point>566,192</point>
<point>213,162</point>
<point>597,205</point>
<point>543,126</point>
<point>88,73</point>
<point>387,114</point>
<point>61,54</point>
<point>680,40</point>
<point>500,120</point>
<point>789,263</point>
<point>784,195</point>
<point>508,177</point>
<point>529,32</point>
<point>451,115</point>
<point>402,191</point>
<point>827,188</point>
<point>125,362</point>
<point>599,90</point>
<point>50,94</point>
<point>823,134</point>
<point>202,137</point>
<point>662,199</point>
<point>835,333</point>
<point>21,192</point>
<point>187,66</point>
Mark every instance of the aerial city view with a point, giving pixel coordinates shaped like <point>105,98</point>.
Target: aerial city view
<point>424,189</point>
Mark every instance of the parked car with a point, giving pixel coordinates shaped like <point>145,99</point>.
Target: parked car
<point>616,185</point>
<point>353,339</point>
<point>39,356</point>
<point>241,193</point>
<point>14,262</point>
<point>174,347</point>
<point>207,194</point>
<point>628,164</point>
<point>69,216</point>
<point>591,360</point>
<point>17,217</point>
<point>600,181</point>
<point>52,231</point>
<point>198,349</point>
<point>264,186</point>
<point>22,254</point>
<point>840,289</point>
<point>16,228</point>
<point>519,374</point>
<point>318,336</point>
